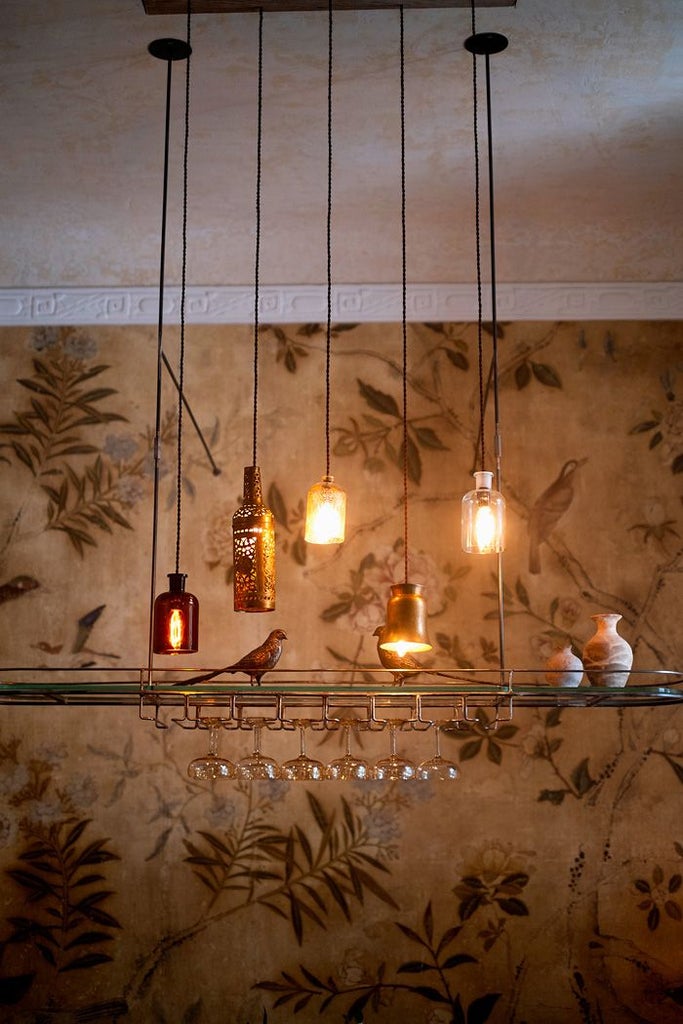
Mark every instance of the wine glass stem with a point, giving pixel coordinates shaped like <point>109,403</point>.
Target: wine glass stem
<point>257,740</point>
<point>213,741</point>
<point>302,741</point>
<point>347,729</point>
<point>392,740</point>
<point>437,736</point>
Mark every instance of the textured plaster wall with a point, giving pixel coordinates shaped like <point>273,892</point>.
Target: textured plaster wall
<point>587,136</point>
<point>542,886</point>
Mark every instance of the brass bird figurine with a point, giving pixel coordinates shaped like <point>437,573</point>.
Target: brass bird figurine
<point>256,663</point>
<point>393,661</point>
<point>548,509</point>
<point>397,664</point>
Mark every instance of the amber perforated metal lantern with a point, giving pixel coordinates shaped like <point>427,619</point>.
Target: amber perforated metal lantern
<point>483,517</point>
<point>325,513</point>
<point>176,618</point>
<point>405,631</point>
<point>253,545</point>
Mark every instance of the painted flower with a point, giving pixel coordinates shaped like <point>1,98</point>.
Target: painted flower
<point>43,812</point>
<point>120,447</point>
<point>80,346</point>
<point>81,791</point>
<point>496,875</point>
<point>52,753</point>
<point>352,971</point>
<point>14,779</point>
<point>129,491</point>
<point>222,812</point>
<point>382,825</point>
<point>44,338</point>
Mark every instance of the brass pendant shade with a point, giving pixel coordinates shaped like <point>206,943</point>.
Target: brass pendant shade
<point>405,631</point>
<point>253,542</point>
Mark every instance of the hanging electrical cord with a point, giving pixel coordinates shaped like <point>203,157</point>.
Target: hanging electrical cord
<point>483,509</point>
<point>175,612</point>
<point>405,630</point>
<point>325,502</point>
<point>253,525</point>
<point>404,299</point>
<point>257,243</point>
<point>183,284</point>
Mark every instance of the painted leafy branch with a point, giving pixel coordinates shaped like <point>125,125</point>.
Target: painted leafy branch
<point>61,404</point>
<point>291,349</point>
<point>54,430</point>
<point>436,959</point>
<point>80,502</point>
<point>384,437</point>
<point>480,735</point>
<point>68,925</point>
<point>296,876</point>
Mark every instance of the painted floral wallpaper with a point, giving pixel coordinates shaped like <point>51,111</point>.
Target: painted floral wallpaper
<point>544,884</point>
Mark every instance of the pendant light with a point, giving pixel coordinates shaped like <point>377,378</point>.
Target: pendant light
<point>483,509</point>
<point>175,613</point>
<point>253,525</point>
<point>325,502</point>
<point>405,631</point>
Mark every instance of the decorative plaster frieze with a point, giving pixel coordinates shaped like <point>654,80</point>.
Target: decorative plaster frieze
<point>350,303</point>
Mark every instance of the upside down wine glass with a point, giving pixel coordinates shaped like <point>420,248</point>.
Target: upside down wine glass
<point>394,768</point>
<point>348,767</point>
<point>256,765</point>
<point>211,766</point>
<point>438,767</point>
<point>302,768</point>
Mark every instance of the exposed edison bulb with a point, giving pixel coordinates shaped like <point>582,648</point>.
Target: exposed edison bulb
<point>176,619</point>
<point>483,517</point>
<point>325,513</point>
<point>175,629</point>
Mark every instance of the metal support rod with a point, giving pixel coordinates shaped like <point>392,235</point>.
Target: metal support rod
<point>168,50</point>
<point>494,360</point>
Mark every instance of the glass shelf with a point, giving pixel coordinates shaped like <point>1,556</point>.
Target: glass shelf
<point>325,695</point>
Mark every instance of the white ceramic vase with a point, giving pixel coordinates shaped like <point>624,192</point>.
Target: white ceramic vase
<point>607,657</point>
<point>563,668</point>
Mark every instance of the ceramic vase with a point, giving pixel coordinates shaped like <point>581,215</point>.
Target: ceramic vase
<point>563,668</point>
<point>607,657</point>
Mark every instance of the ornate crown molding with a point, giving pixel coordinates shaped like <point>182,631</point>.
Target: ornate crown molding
<point>350,303</point>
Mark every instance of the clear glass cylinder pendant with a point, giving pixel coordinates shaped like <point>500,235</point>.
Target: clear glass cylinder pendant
<point>176,619</point>
<point>483,517</point>
<point>405,631</point>
<point>325,513</point>
<point>253,545</point>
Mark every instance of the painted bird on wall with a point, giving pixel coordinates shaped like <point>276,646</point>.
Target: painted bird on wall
<point>256,663</point>
<point>548,509</point>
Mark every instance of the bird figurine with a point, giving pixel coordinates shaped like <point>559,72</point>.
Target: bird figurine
<point>256,663</point>
<point>398,664</point>
<point>548,509</point>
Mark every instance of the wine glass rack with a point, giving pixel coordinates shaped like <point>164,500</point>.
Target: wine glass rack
<point>327,698</point>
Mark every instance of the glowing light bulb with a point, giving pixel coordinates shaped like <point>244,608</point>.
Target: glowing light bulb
<point>485,528</point>
<point>483,517</point>
<point>175,629</point>
<point>325,513</point>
